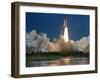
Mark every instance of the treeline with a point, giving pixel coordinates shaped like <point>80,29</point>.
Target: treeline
<point>63,54</point>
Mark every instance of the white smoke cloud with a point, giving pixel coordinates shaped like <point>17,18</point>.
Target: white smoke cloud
<point>83,44</point>
<point>41,43</point>
<point>36,42</point>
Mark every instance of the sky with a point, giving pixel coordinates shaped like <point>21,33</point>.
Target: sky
<point>51,24</point>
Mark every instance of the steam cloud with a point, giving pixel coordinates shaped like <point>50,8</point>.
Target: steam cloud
<point>41,43</point>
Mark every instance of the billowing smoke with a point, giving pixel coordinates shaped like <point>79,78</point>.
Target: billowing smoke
<point>40,43</point>
<point>36,42</point>
<point>83,44</point>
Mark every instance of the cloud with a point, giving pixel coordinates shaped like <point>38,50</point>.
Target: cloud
<point>40,43</point>
<point>36,42</point>
<point>83,44</point>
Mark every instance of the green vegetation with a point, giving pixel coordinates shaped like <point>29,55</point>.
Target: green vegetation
<point>38,56</point>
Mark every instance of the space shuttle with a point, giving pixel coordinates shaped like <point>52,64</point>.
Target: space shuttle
<point>64,30</point>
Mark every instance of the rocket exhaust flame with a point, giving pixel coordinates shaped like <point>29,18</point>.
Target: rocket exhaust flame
<point>65,36</point>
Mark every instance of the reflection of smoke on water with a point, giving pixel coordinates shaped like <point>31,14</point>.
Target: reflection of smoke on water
<point>40,42</point>
<point>63,61</point>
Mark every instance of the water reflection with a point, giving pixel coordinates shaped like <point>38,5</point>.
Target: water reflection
<point>62,61</point>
